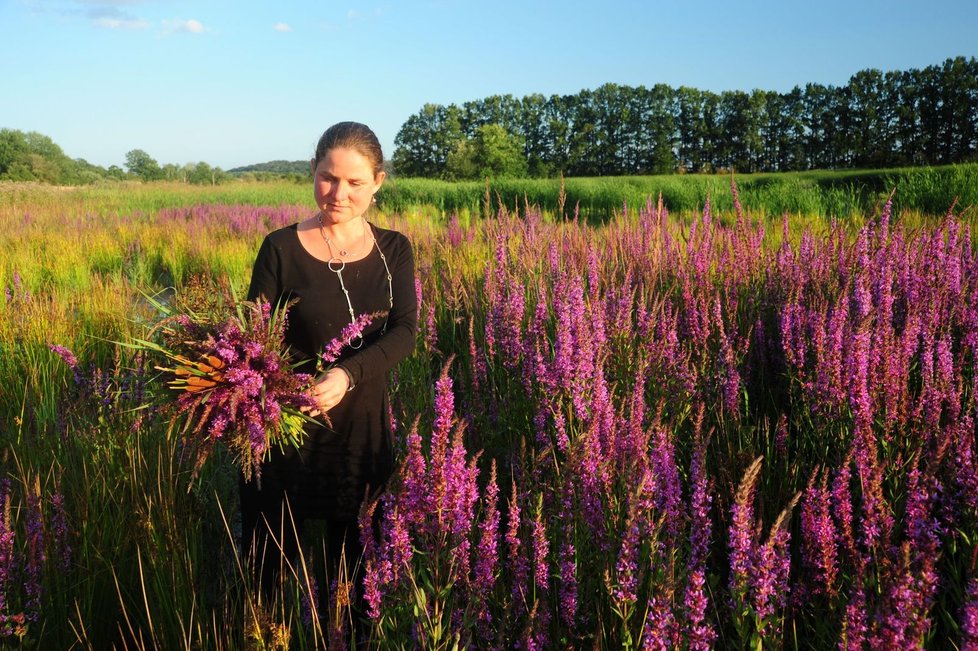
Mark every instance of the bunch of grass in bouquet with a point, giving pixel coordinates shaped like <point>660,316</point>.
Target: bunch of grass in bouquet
<point>227,376</point>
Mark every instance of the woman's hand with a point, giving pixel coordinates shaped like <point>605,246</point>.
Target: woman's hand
<point>330,389</point>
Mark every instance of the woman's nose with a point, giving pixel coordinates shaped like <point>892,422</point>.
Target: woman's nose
<point>340,190</point>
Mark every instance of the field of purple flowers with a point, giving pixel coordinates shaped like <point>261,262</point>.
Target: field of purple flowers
<point>692,438</point>
<point>662,432</point>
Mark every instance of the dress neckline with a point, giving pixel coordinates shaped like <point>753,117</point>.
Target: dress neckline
<point>295,229</point>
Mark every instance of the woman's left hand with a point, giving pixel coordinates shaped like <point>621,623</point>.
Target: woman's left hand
<point>329,391</point>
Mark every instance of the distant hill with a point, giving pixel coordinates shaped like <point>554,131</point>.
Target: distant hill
<point>300,167</point>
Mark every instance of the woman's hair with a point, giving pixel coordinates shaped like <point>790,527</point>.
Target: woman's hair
<point>355,136</point>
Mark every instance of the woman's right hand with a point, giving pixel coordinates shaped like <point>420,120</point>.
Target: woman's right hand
<point>329,390</point>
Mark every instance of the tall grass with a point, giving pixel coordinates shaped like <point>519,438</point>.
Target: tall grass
<point>843,194</point>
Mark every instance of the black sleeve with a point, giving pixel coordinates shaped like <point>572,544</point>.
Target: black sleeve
<point>399,340</point>
<point>266,275</point>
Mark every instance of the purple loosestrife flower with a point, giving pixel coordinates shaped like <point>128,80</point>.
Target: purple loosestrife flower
<point>454,232</point>
<point>903,621</point>
<point>486,566</point>
<point>541,550</point>
<point>519,565</point>
<point>842,508</point>
<point>560,431</point>
<point>969,618</point>
<point>494,281</point>
<point>741,535</point>
<point>620,304</point>
<point>377,570</point>
<point>964,486</point>
<point>562,367</point>
<point>8,562</point>
<point>444,413</point>
<point>861,296</point>
<point>635,440</point>
<point>310,602</point>
<point>758,573</point>
<point>698,632</point>
<point>567,561</point>
<point>877,522</point>
<point>36,554</point>
<point>791,324</point>
<point>830,374</point>
<point>857,370</point>
<point>604,419</point>
<point>591,471</point>
<point>414,498</point>
<point>536,370</point>
<point>351,332</point>
<point>625,591</point>
<point>738,209</point>
<point>69,358</point>
<point>770,581</point>
<point>397,538</point>
<point>462,495</point>
<point>511,336</point>
<point>59,531</point>
<point>781,435</point>
<point>819,536</point>
<point>668,487</point>
<point>478,360</point>
<point>66,355</point>
<point>581,354</point>
<point>661,631</point>
<point>855,628</point>
<point>910,597</point>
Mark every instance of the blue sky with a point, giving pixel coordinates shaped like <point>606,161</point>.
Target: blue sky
<point>234,82</point>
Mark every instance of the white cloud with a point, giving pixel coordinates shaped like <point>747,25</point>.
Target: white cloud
<point>106,14</point>
<point>352,13</point>
<point>121,23</point>
<point>180,25</point>
<point>108,3</point>
<point>282,27</point>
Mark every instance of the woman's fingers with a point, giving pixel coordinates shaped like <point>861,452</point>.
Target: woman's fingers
<point>330,390</point>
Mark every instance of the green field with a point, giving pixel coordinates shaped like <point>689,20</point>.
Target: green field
<point>747,427</point>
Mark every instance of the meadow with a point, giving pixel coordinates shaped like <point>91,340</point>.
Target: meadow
<point>700,426</point>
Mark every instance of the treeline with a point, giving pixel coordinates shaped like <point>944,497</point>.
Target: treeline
<point>903,118</point>
<point>32,156</point>
<point>276,168</point>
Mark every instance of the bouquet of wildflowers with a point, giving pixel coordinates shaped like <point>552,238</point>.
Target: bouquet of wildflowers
<point>229,379</point>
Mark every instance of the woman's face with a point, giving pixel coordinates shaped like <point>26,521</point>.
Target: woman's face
<point>344,185</point>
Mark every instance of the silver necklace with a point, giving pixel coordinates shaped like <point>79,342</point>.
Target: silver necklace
<point>343,252</point>
<point>337,265</point>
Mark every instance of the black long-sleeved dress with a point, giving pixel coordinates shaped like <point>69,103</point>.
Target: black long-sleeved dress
<point>329,476</point>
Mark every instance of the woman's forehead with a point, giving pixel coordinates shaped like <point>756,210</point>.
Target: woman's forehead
<point>342,161</point>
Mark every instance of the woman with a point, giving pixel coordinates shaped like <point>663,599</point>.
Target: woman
<point>339,267</point>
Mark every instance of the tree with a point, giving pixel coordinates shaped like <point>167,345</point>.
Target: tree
<point>492,152</point>
<point>13,156</point>
<point>538,142</point>
<point>654,124</point>
<point>423,143</point>
<point>142,165</point>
